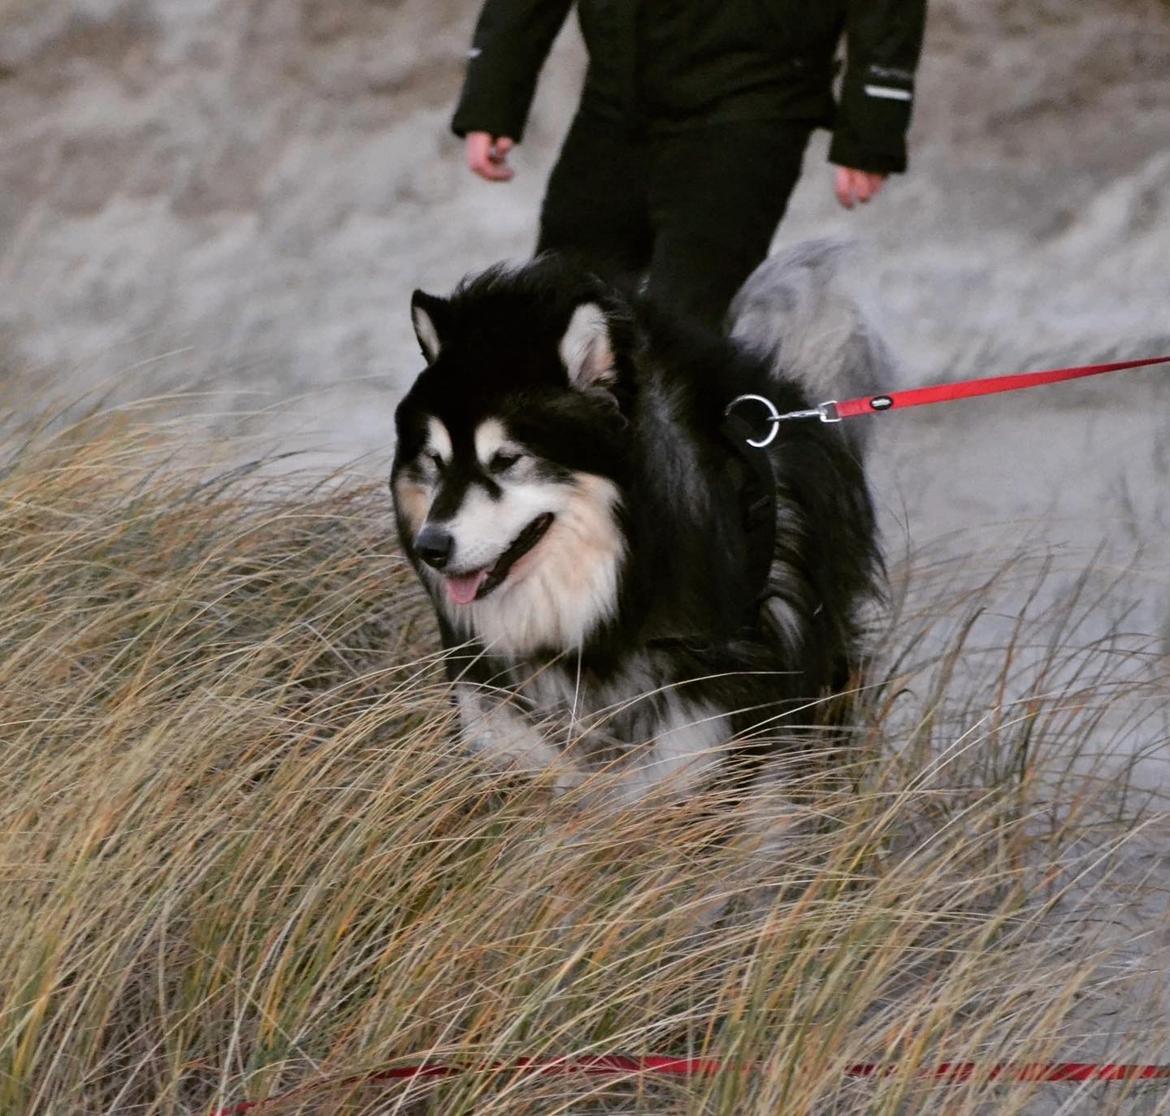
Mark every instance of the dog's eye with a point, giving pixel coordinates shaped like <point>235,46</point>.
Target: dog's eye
<point>502,461</point>
<point>436,461</point>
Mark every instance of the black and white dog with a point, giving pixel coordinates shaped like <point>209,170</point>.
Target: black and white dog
<point>579,511</point>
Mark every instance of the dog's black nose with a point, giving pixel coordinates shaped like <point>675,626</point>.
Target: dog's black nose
<point>434,544</point>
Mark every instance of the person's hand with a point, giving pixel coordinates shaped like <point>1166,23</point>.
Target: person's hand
<point>853,186</point>
<point>487,155</point>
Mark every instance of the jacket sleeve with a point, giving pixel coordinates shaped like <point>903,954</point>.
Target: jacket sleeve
<point>883,42</point>
<point>512,40</point>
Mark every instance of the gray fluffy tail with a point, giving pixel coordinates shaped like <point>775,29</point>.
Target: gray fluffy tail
<point>802,310</point>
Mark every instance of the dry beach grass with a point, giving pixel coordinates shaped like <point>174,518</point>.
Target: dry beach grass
<point>242,855</point>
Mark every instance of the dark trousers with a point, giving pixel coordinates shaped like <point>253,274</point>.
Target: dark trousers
<point>693,211</point>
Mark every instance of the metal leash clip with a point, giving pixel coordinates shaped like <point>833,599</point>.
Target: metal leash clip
<point>826,412</point>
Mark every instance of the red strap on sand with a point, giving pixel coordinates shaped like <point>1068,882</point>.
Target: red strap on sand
<point>965,389</point>
<point>707,1067</point>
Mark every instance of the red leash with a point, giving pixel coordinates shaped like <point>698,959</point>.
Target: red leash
<point>833,411</point>
<point>708,1067</point>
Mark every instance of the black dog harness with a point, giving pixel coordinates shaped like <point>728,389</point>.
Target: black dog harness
<point>757,499</point>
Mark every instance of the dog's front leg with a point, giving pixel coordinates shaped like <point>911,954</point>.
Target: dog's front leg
<point>689,741</point>
<point>494,727</point>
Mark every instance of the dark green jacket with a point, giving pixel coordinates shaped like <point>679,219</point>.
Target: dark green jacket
<point>670,64</point>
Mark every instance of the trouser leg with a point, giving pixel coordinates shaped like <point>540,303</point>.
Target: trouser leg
<point>595,207</point>
<point>716,195</point>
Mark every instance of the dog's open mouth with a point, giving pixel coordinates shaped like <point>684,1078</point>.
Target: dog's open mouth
<point>474,586</point>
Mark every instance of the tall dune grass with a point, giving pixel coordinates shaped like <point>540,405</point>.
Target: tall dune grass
<point>243,857</point>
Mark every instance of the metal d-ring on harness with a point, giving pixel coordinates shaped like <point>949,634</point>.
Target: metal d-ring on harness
<point>826,412</point>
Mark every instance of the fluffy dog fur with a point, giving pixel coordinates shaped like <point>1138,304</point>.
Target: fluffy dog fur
<point>573,508</point>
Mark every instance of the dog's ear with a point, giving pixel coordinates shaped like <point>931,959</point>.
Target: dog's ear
<point>430,315</point>
<point>587,348</point>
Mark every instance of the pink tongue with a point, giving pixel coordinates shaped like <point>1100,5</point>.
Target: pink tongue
<point>462,589</point>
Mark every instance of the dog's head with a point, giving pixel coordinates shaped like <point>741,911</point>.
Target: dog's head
<point>511,455</point>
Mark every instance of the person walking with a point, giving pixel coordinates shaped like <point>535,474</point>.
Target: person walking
<point>692,125</point>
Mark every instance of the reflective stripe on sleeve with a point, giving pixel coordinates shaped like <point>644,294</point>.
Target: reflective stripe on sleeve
<point>889,93</point>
